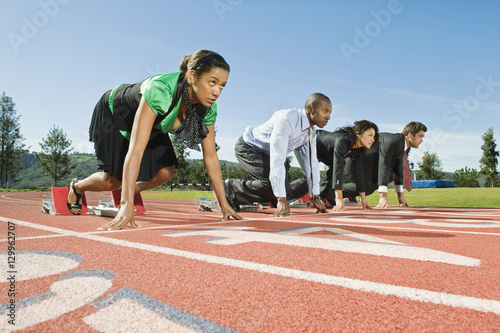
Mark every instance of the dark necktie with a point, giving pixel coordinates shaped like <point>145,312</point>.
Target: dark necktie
<point>406,172</point>
<point>311,154</point>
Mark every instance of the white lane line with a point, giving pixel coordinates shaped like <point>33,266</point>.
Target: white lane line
<point>178,213</point>
<point>183,226</point>
<point>34,237</point>
<point>6,198</point>
<point>275,219</point>
<point>421,295</point>
<point>375,226</point>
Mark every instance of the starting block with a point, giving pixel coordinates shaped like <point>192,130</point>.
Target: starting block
<point>307,199</point>
<point>138,204</point>
<point>57,206</point>
<point>108,208</point>
<point>208,205</point>
<point>299,204</point>
<point>48,207</point>
<point>249,208</point>
<point>214,206</point>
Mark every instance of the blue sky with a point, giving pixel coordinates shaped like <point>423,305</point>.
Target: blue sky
<point>390,62</point>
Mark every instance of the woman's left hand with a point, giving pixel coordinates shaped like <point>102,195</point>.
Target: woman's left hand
<point>125,216</point>
<point>228,212</point>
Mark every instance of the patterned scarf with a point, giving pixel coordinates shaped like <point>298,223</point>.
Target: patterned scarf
<point>192,129</point>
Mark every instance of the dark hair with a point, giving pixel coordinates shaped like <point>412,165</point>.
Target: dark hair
<point>313,99</point>
<point>414,127</point>
<point>202,61</point>
<point>359,127</point>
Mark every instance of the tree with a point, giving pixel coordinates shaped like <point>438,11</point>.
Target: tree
<point>288,163</point>
<point>466,177</point>
<point>180,149</point>
<point>296,173</point>
<point>430,167</point>
<point>489,160</point>
<point>197,173</point>
<point>54,158</point>
<point>11,141</point>
<point>496,182</point>
<point>234,172</point>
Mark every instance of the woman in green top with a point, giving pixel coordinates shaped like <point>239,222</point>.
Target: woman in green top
<point>130,127</point>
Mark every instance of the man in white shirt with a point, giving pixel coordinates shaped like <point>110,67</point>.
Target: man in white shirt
<point>262,150</point>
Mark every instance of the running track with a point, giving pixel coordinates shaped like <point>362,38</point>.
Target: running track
<point>411,269</point>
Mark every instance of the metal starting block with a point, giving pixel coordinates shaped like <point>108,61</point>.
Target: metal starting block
<point>249,208</point>
<point>212,206</point>
<point>106,208</point>
<point>299,204</point>
<point>48,207</point>
<point>103,211</point>
<point>208,205</point>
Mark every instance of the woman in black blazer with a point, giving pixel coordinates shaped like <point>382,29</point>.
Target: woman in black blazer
<point>334,148</point>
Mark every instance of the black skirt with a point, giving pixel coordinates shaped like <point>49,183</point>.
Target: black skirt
<point>111,146</point>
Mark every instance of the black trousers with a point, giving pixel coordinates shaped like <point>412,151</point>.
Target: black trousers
<point>370,168</point>
<point>349,188</point>
<point>257,163</point>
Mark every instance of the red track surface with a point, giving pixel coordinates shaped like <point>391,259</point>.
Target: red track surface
<point>402,269</point>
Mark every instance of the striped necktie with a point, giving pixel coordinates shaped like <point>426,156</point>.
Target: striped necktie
<point>311,154</point>
<point>406,172</point>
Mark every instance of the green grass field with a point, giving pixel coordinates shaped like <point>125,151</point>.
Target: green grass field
<point>446,197</point>
<point>437,197</point>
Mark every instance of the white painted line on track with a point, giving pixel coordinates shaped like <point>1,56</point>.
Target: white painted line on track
<point>35,237</point>
<point>177,213</point>
<point>421,295</point>
<point>184,226</point>
<point>33,202</point>
<point>376,226</point>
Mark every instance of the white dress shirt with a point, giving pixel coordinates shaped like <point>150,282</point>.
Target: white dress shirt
<point>284,132</point>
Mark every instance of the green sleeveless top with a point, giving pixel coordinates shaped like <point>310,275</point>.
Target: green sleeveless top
<point>157,92</point>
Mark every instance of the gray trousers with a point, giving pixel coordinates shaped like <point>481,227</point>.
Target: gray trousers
<point>257,163</point>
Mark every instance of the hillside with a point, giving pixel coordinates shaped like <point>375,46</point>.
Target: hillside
<point>85,164</point>
<point>30,177</point>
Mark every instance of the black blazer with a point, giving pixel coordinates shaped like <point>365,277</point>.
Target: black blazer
<point>333,149</point>
<point>390,161</point>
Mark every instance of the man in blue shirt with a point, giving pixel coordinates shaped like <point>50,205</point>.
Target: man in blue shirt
<point>262,151</point>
